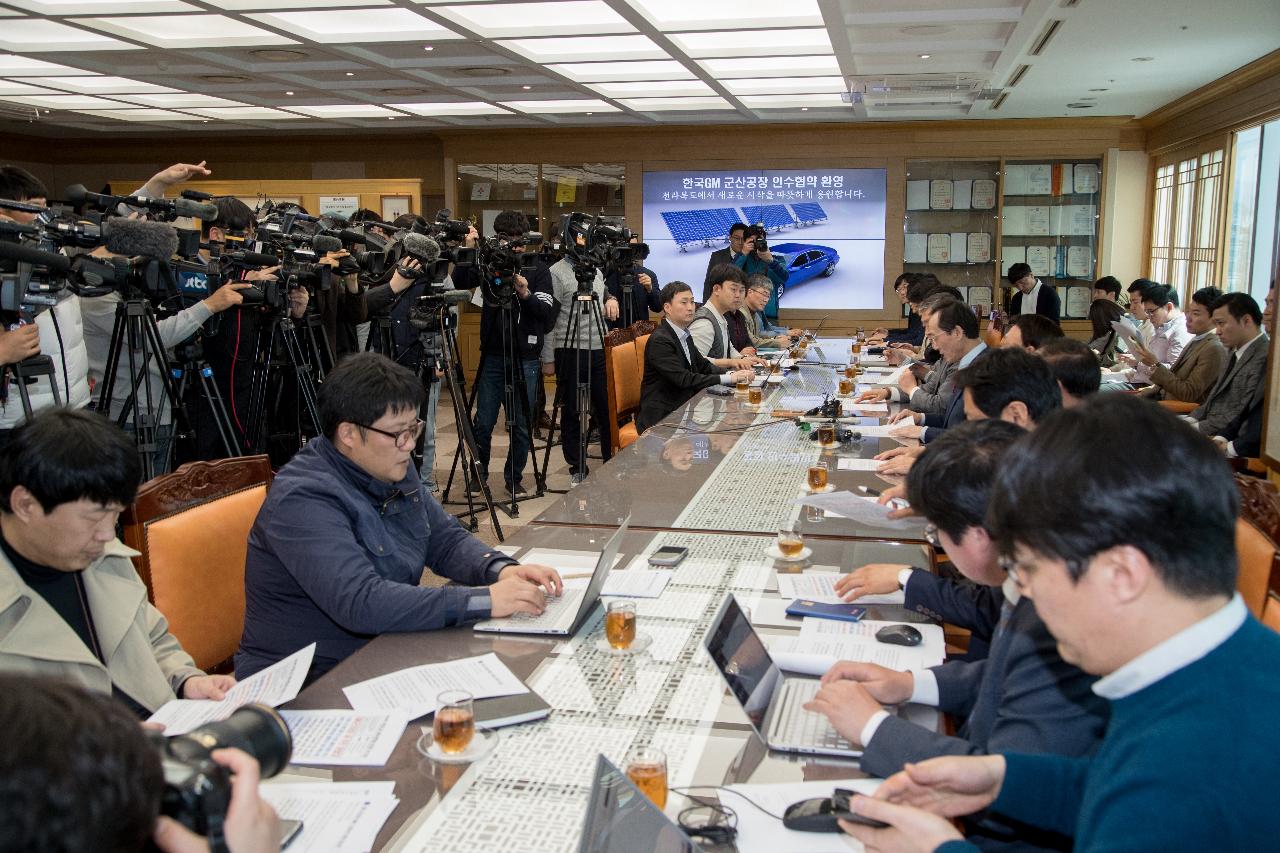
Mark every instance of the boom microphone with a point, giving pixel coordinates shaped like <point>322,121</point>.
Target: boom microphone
<point>323,244</point>
<point>422,249</point>
<point>189,207</point>
<point>26,255</point>
<point>132,237</point>
<point>251,259</point>
<point>78,195</point>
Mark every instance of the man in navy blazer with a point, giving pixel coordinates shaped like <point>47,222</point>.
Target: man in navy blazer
<point>674,370</point>
<point>728,255</point>
<point>1023,697</point>
<point>1033,296</point>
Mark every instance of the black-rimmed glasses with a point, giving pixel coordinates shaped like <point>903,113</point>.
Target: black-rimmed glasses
<point>406,437</point>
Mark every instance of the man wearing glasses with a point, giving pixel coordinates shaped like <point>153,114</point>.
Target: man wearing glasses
<point>337,553</point>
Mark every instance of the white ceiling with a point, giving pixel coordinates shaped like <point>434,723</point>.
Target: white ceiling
<point>316,65</point>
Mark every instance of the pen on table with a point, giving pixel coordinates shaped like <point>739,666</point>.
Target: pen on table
<point>577,577</point>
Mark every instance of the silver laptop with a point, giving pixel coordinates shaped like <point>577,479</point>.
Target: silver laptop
<point>563,616</point>
<point>621,819</point>
<point>772,703</point>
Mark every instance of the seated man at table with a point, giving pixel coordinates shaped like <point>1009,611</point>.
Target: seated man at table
<point>337,552</point>
<point>71,603</point>
<point>674,370</point>
<point>1141,590</point>
<point>1022,697</point>
<point>1190,377</point>
<point>1030,332</point>
<point>928,395</point>
<point>709,330</point>
<point>1074,367</point>
<point>759,329</point>
<point>1239,323</point>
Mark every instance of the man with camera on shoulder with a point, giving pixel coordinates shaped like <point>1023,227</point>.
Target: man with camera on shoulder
<point>756,259</point>
<point>634,285</point>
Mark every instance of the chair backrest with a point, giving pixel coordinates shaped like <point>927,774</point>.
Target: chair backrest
<point>641,343</point>
<point>643,327</point>
<point>622,379</point>
<point>1260,504</point>
<point>1256,553</point>
<point>192,528</point>
<point>1271,611</point>
<point>992,338</point>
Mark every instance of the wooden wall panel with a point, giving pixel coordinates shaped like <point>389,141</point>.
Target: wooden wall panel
<point>1245,97</point>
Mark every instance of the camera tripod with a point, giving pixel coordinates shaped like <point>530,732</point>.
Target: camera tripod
<point>514,388</point>
<point>29,371</point>
<point>136,334</point>
<point>588,307</point>
<point>280,334</point>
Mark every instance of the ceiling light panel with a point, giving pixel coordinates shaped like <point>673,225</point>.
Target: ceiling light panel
<point>675,104</point>
<point>180,100</point>
<point>68,102</point>
<point>652,89</point>
<point>140,115</point>
<point>586,48</point>
<point>100,85</point>
<point>454,108</point>
<point>181,31</point>
<point>678,15</point>
<point>573,105</point>
<point>15,87</point>
<point>25,66</point>
<point>771,66</point>
<point>568,17</point>
<point>98,7</point>
<point>233,113</point>
<point>37,36</point>
<point>755,42</point>
<point>785,85</point>
<point>345,111</point>
<point>610,72</point>
<point>366,25</point>
<point>770,102</point>
<point>256,5</point>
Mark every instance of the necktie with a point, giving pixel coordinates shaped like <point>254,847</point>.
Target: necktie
<point>1006,610</point>
<point>1231,364</point>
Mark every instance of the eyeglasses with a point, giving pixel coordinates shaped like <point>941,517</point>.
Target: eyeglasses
<point>1018,572</point>
<point>407,437</point>
<point>931,535</point>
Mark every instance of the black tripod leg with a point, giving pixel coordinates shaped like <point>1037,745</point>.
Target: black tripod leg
<point>213,397</point>
<point>453,466</point>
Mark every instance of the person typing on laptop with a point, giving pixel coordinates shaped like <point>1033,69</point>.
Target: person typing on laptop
<point>1023,697</point>
<point>337,552</point>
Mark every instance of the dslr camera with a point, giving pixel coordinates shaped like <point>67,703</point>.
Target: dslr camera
<point>761,237</point>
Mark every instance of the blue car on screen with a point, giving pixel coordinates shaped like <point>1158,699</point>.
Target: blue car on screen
<point>805,261</point>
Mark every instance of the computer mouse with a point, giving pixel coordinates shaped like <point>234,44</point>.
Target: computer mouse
<point>900,635</point>
<point>814,815</point>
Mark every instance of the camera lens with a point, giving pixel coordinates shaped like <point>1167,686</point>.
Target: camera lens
<point>255,729</point>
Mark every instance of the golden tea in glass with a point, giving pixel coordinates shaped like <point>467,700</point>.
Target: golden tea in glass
<point>455,721</point>
<point>620,624</point>
<point>647,769</point>
<point>818,473</point>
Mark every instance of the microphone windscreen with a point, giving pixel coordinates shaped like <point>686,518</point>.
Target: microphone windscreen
<point>323,243</point>
<point>422,248</point>
<point>200,210</point>
<point>351,236</point>
<point>252,259</point>
<point>455,297</point>
<point>132,237</point>
<point>28,255</point>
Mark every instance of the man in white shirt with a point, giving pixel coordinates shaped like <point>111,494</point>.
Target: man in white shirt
<point>1033,296</point>
<point>709,330</point>
<point>1170,335</point>
<point>1193,680</point>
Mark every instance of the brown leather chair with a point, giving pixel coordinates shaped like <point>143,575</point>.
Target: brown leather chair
<point>192,528</point>
<point>1256,553</point>
<point>1271,611</point>
<point>1179,407</point>
<point>622,382</point>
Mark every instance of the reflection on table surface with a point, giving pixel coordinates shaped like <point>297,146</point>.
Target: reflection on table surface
<point>530,794</point>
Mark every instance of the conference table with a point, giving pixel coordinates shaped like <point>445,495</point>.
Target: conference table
<point>530,793</point>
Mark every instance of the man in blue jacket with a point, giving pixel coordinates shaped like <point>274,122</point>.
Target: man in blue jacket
<point>337,552</point>
<point>1141,590</point>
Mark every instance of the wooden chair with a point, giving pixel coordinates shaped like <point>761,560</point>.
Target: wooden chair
<point>191,528</point>
<point>622,382</point>
<point>1179,407</point>
<point>992,338</point>
<point>1271,611</point>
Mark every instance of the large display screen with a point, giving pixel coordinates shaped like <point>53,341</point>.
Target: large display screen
<point>826,226</point>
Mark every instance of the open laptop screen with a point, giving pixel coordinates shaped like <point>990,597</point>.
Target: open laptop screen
<point>742,659</point>
<point>620,819</point>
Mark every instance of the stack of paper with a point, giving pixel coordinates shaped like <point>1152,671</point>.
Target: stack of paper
<point>413,691</point>
<point>273,686</point>
<point>820,586</point>
<point>337,817</point>
<point>637,583</point>
<point>851,635</point>
<point>344,737</point>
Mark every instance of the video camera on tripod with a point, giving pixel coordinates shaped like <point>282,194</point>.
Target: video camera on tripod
<point>499,262</point>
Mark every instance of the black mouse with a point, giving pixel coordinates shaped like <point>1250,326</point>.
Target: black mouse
<point>820,814</point>
<point>900,635</point>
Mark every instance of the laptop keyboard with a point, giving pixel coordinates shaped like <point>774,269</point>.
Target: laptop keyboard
<point>558,615</point>
<point>794,726</point>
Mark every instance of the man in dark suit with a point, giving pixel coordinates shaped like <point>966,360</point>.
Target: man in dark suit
<point>727,255</point>
<point>674,370</point>
<point>1239,322</point>
<point>1022,698</point>
<point>1033,296</point>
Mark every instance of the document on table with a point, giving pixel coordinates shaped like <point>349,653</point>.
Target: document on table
<point>272,686</point>
<point>637,583</point>
<point>337,817</point>
<point>758,832</point>
<point>857,463</point>
<point>821,586</point>
<point>890,378</point>
<point>933,647</point>
<point>864,510</point>
<point>413,691</point>
<point>344,737</point>
<point>564,561</point>
<point>848,407</point>
<point>816,655</point>
<point>876,431</point>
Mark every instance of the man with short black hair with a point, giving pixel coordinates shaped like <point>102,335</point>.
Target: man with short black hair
<point>645,294</point>
<point>1239,322</point>
<point>1107,287</point>
<point>913,332</point>
<point>1030,332</point>
<point>1197,368</point>
<point>1009,385</point>
<point>1169,337</point>
<point>1075,367</point>
<point>71,603</point>
<point>727,255</point>
<point>1137,313</point>
<point>954,332</point>
<point>1141,590</point>
<point>1032,296</point>
<point>709,330</point>
<point>337,552</point>
<point>674,370</point>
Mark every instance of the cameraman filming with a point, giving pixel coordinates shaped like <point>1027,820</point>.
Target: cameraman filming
<point>78,773</point>
<point>531,313</point>
<point>756,259</point>
<point>645,294</point>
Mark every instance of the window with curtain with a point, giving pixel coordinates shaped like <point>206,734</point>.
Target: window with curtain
<point>1185,221</point>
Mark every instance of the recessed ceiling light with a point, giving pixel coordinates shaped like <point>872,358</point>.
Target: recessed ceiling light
<point>926,56</point>
<point>427,47</point>
<point>1142,59</point>
<point>791,101</point>
<point>391,118</point>
<point>804,109</point>
<point>526,88</point>
<point>1099,90</point>
<point>351,73</point>
<point>288,93</point>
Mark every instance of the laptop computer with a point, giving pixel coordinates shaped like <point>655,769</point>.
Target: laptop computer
<point>621,819</point>
<point>564,615</point>
<point>771,702</point>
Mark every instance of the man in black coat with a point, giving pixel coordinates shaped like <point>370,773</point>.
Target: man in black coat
<point>674,370</point>
<point>727,255</point>
<point>1038,297</point>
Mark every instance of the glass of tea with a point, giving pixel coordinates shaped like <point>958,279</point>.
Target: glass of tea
<point>818,474</point>
<point>790,541</point>
<point>827,434</point>
<point>742,385</point>
<point>851,371</point>
<point>856,347</point>
<point>647,769</point>
<point>455,722</point>
<point>846,387</point>
<point>755,395</point>
<point>620,625</point>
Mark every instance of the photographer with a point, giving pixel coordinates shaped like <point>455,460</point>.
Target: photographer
<point>578,361</point>
<point>78,773</point>
<point>645,295</point>
<point>532,312</point>
<point>755,261</point>
<point>57,333</point>
<point>71,603</point>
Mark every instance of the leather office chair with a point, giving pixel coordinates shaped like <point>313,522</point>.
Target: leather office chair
<point>1271,611</point>
<point>1256,553</point>
<point>622,381</point>
<point>192,528</point>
